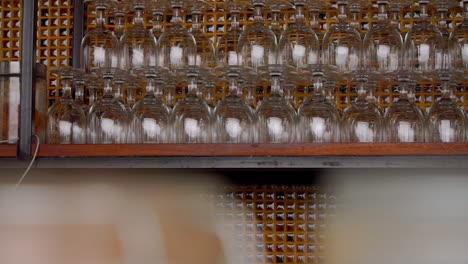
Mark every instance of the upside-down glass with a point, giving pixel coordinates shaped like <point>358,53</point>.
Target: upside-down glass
<point>363,118</point>
<point>66,122</point>
<point>319,120</point>
<point>404,121</point>
<point>152,114</point>
<point>191,116</point>
<point>277,119</point>
<point>227,53</point>
<point>235,119</point>
<point>298,45</point>
<point>458,44</point>
<point>108,118</point>
<point>446,122</point>
<point>257,43</point>
<point>342,44</point>
<point>424,45</point>
<point>177,46</point>
<point>383,45</point>
<point>205,52</point>
<point>99,47</point>
<point>138,45</point>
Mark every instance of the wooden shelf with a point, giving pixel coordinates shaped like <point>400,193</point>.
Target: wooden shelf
<point>255,150</point>
<point>8,150</point>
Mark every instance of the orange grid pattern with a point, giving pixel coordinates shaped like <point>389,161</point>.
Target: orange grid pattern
<point>10,30</point>
<point>54,38</point>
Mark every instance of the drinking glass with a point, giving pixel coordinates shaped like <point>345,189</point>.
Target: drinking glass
<point>99,47</point>
<point>404,121</point>
<point>383,46</point>
<point>153,115</point>
<point>424,45</point>
<point>235,119</point>
<point>138,45</point>
<point>108,118</point>
<point>227,53</point>
<point>66,119</point>
<point>363,118</point>
<point>205,52</point>
<point>446,121</point>
<point>257,43</point>
<point>177,46</point>
<point>319,120</point>
<point>342,44</point>
<point>276,117</point>
<point>298,45</point>
<point>458,44</point>
<point>191,116</point>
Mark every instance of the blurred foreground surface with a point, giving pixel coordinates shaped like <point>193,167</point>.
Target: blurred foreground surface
<point>182,217</point>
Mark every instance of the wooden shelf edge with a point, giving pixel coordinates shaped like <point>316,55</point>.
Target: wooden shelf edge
<point>8,150</point>
<point>254,150</point>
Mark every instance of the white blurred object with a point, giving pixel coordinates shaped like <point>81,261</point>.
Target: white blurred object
<point>400,216</point>
<point>233,127</point>
<point>342,53</point>
<point>276,129</point>
<point>192,128</point>
<point>258,52</point>
<point>298,53</point>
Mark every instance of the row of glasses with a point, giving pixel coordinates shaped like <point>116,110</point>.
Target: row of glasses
<point>234,121</point>
<point>190,55</point>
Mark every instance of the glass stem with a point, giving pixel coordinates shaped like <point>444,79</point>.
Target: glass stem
<point>118,93</point>
<point>196,26</point>
<point>404,91</point>
<point>275,19</point>
<point>465,9</point>
<point>192,86</point>
<point>119,24</point>
<point>66,89</point>
<point>318,86</point>
<point>108,91</point>
<point>395,21</point>
<point>235,21</point>
<point>100,17</point>
<point>258,18</point>
<point>150,86</point>
<point>299,13</point>
<point>447,91</point>
<point>276,85</point>
<point>423,11</point>
<point>342,16</point>
<point>383,16</point>
<point>138,20</point>
<point>233,85</point>
<point>79,91</point>
<point>92,95</point>
<point>131,91</point>
<point>362,92</point>
<point>176,18</point>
